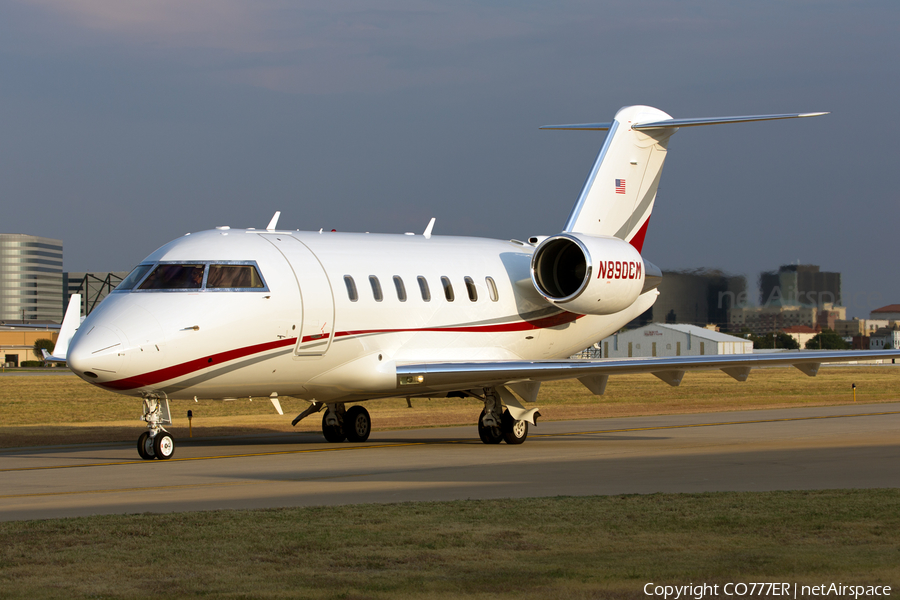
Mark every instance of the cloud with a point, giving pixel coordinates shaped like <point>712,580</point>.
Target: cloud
<point>316,48</point>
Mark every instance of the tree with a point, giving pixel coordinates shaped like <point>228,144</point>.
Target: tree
<point>781,340</point>
<point>41,344</point>
<point>827,340</point>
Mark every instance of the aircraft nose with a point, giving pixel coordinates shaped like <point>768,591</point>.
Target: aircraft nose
<point>98,355</point>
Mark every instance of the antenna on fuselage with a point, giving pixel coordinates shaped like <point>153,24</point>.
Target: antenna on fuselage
<point>274,222</point>
<point>428,229</point>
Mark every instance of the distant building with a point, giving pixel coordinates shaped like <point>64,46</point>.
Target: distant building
<point>93,287</point>
<point>828,316</point>
<point>891,312</point>
<point>884,338</point>
<point>800,333</point>
<point>17,345</point>
<point>799,285</point>
<point>698,297</point>
<point>767,319</point>
<point>858,327</point>
<point>667,339</point>
<point>31,278</point>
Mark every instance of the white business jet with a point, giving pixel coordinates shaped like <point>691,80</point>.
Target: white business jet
<point>339,318</point>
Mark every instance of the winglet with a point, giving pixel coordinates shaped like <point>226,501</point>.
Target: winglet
<point>428,229</point>
<point>67,330</point>
<point>274,222</point>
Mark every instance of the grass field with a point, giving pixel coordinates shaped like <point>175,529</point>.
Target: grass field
<point>593,547</point>
<point>54,409</point>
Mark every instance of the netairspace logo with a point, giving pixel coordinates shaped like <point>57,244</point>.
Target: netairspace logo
<point>789,590</point>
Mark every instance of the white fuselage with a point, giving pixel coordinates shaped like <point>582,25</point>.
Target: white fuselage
<point>303,335</point>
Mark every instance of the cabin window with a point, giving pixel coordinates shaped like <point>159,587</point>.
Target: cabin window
<point>233,277</point>
<point>448,289</point>
<point>492,289</point>
<point>470,289</point>
<point>133,278</point>
<point>174,277</point>
<point>401,289</point>
<point>351,288</point>
<point>376,288</point>
<point>423,287</point>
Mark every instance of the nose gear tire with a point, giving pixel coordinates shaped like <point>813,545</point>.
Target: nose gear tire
<point>145,446</point>
<point>163,446</point>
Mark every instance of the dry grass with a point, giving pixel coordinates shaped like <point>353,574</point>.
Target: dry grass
<point>593,547</point>
<point>39,410</point>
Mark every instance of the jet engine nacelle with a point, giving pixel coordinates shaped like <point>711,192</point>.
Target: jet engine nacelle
<point>587,274</point>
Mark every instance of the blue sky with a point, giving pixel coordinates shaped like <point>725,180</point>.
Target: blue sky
<point>126,124</point>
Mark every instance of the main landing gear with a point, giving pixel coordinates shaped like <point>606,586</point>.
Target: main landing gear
<point>339,423</point>
<point>496,424</point>
<point>156,442</point>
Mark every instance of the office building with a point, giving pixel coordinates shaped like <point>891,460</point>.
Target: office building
<point>31,278</point>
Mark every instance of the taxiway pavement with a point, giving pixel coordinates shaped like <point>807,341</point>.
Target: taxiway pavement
<point>855,446</point>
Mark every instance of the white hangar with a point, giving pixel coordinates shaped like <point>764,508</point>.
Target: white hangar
<point>660,339</point>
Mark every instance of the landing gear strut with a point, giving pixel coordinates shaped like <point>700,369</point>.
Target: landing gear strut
<point>156,442</point>
<point>333,423</point>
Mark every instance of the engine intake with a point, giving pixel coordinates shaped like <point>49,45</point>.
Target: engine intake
<point>588,274</point>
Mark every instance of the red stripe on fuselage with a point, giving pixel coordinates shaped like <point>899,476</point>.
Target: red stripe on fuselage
<point>199,364</point>
<point>544,323</point>
<point>191,366</point>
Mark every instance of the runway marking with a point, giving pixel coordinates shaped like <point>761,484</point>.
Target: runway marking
<point>189,458</point>
<point>407,444</point>
<point>182,486</point>
<point>133,489</point>
<point>895,412</point>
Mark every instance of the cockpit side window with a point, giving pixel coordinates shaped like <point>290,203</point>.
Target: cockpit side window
<point>233,277</point>
<point>136,275</point>
<point>174,277</point>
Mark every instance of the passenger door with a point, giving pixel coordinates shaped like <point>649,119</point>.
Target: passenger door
<point>316,295</point>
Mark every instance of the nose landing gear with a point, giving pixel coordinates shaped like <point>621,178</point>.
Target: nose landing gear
<point>156,442</point>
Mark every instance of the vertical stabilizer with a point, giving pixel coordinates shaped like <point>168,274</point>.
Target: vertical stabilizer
<point>618,195</point>
<point>620,190</point>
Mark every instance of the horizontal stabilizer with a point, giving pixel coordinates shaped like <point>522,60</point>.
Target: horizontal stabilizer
<point>581,127</point>
<point>669,123</point>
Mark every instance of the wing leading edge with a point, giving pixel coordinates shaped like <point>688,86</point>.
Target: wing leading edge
<point>447,376</point>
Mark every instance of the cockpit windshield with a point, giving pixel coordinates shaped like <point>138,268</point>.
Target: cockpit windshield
<point>136,275</point>
<point>232,276</point>
<point>174,277</point>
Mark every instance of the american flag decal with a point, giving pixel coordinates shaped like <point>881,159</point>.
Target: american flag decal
<point>620,186</point>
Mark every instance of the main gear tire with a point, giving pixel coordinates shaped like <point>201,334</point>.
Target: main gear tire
<point>357,424</point>
<point>488,435</point>
<point>514,432</point>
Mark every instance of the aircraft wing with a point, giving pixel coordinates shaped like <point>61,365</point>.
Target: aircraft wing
<point>446,376</point>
